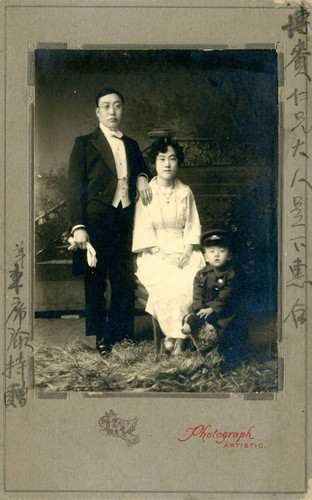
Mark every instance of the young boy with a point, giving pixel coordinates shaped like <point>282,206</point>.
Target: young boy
<point>216,303</point>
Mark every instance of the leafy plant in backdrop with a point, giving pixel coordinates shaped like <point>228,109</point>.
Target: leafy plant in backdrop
<point>51,225</point>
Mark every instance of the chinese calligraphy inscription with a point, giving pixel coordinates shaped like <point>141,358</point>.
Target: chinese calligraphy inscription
<point>18,339</point>
<point>296,269</point>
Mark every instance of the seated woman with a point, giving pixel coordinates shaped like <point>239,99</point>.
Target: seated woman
<point>166,235</point>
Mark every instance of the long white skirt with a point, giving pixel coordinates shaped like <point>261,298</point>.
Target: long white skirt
<point>170,289</point>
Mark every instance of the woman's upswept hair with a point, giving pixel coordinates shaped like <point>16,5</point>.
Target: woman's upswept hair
<point>161,145</point>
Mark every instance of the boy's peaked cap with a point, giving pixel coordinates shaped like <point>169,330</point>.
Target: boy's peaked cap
<point>216,237</point>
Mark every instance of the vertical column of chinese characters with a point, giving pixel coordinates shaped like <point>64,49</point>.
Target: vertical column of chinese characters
<point>299,187</point>
<point>18,343</point>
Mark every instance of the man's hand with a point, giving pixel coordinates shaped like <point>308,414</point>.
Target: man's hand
<point>81,237</point>
<point>144,190</point>
<point>204,313</point>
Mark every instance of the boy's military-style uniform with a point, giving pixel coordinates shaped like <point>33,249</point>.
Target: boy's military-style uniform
<point>218,289</point>
<point>214,288</point>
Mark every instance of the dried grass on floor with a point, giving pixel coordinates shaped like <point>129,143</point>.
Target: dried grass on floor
<point>132,367</point>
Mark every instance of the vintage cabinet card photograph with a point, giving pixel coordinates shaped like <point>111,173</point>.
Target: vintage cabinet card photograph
<point>156,201</point>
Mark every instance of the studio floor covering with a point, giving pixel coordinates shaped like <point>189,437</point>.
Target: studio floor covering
<point>66,360</point>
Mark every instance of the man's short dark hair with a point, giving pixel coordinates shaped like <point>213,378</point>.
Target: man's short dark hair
<point>161,145</point>
<point>108,90</point>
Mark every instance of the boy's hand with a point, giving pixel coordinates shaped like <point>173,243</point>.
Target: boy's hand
<point>204,313</point>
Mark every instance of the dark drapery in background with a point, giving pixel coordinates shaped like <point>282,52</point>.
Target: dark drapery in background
<point>226,96</point>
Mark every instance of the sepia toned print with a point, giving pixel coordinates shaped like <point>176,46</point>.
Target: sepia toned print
<point>221,108</point>
<point>159,417</point>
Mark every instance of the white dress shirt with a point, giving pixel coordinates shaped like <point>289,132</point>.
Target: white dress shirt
<point>119,153</point>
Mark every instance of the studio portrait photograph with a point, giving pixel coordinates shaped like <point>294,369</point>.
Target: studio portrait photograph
<point>156,220</point>
<point>156,268</point>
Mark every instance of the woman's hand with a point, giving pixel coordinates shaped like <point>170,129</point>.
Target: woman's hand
<point>204,313</point>
<point>173,259</point>
<point>185,257</point>
<point>144,189</point>
<point>184,260</point>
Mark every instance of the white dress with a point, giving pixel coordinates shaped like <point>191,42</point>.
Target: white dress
<point>169,224</point>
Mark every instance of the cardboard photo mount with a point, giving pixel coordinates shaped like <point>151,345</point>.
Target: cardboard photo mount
<point>52,443</point>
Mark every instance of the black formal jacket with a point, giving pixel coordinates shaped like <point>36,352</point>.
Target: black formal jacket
<point>93,177</point>
<point>218,289</point>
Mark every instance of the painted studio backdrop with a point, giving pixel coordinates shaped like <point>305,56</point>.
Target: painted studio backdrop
<point>222,107</point>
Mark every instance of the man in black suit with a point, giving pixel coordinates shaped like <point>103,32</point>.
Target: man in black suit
<point>106,170</point>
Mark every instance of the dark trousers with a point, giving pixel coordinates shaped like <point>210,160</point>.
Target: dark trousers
<point>110,234</point>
